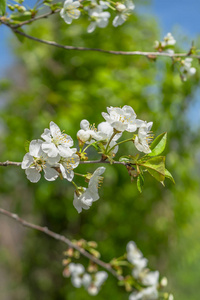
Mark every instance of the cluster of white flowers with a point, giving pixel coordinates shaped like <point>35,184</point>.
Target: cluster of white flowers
<point>51,154</point>
<point>147,278</point>
<point>186,68</point>
<point>92,283</point>
<point>96,12</point>
<point>55,155</point>
<point>167,44</point>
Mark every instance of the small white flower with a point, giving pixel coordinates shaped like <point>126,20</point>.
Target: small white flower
<point>124,11</point>
<point>122,119</point>
<point>84,198</point>
<point>186,69</point>
<point>88,133</point>
<point>36,160</point>
<point>67,164</point>
<point>168,40</point>
<point>151,278</point>
<point>139,266</point>
<point>93,284</point>
<point>70,11</point>
<point>106,131</point>
<point>99,19</point>
<point>133,252</point>
<point>144,137</point>
<point>149,293</point>
<point>56,142</point>
<point>76,272</point>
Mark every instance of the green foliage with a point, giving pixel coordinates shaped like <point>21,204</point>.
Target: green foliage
<point>158,145</point>
<point>2,7</point>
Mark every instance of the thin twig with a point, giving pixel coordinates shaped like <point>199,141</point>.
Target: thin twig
<point>10,163</point>
<point>63,239</point>
<point>133,53</point>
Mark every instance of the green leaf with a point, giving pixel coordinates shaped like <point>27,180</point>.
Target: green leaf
<point>124,159</point>
<point>169,175</point>
<point>156,167</point>
<point>19,36</point>
<point>140,182</point>
<point>2,7</point>
<point>26,145</point>
<point>158,145</point>
<point>27,15</point>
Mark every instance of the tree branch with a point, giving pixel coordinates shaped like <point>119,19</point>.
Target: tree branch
<point>149,55</point>
<point>10,163</point>
<point>63,239</point>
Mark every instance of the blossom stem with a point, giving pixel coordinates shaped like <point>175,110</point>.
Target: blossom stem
<point>128,140</point>
<point>79,174</point>
<point>76,186</point>
<point>112,136</point>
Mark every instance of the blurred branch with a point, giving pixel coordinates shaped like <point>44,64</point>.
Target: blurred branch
<point>63,239</point>
<point>150,55</point>
<point>100,161</point>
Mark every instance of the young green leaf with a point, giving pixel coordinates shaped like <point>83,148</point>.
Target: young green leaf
<point>158,145</point>
<point>2,7</point>
<point>169,175</point>
<point>156,167</point>
<point>140,183</point>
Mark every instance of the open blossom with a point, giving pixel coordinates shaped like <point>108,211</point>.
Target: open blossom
<point>122,119</point>
<point>36,160</point>
<point>135,257</point>
<point>186,69</point>
<point>150,278</point>
<point>70,11</point>
<point>56,142</point>
<point>76,271</point>
<point>106,131</point>
<point>124,10</point>
<point>67,164</point>
<point>93,284</point>
<point>142,140</point>
<point>96,7</point>
<point>98,19</point>
<point>149,293</point>
<point>88,133</point>
<point>84,198</point>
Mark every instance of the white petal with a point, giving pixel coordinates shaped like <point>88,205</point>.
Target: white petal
<point>46,135</point>
<point>33,175</point>
<point>35,148</point>
<point>50,174</point>
<point>55,130</point>
<point>27,161</point>
<point>76,281</point>
<point>87,279</point>
<point>100,277</point>
<point>91,27</point>
<point>85,125</point>
<point>50,149</point>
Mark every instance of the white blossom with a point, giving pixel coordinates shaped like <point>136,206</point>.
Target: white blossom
<point>70,11</point>
<point>151,278</point>
<point>76,271</point>
<point>67,164</point>
<point>84,198</point>
<point>93,284</point>
<point>186,69</point>
<point>106,131</point>
<point>124,10</point>
<point>122,119</point>
<point>149,293</point>
<point>56,142</point>
<point>142,140</point>
<point>88,133</point>
<point>36,160</point>
<point>168,41</point>
<point>98,19</point>
<point>135,257</point>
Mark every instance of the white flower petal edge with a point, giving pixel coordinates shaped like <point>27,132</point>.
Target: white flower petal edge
<point>70,11</point>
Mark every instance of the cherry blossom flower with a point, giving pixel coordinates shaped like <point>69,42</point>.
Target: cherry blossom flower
<point>76,271</point>
<point>84,197</point>
<point>93,283</point>
<point>150,278</point>
<point>99,19</point>
<point>67,164</point>
<point>142,140</point>
<point>124,11</point>
<point>56,142</point>
<point>149,293</point>
<point>186,69</point>
<point>135,257</point>
<point>70,11</point>
<point>88,133</point>
<point>36,160</point>
<point>122,119</point>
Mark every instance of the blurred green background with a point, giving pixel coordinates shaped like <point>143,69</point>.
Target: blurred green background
<point>49,84</point>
